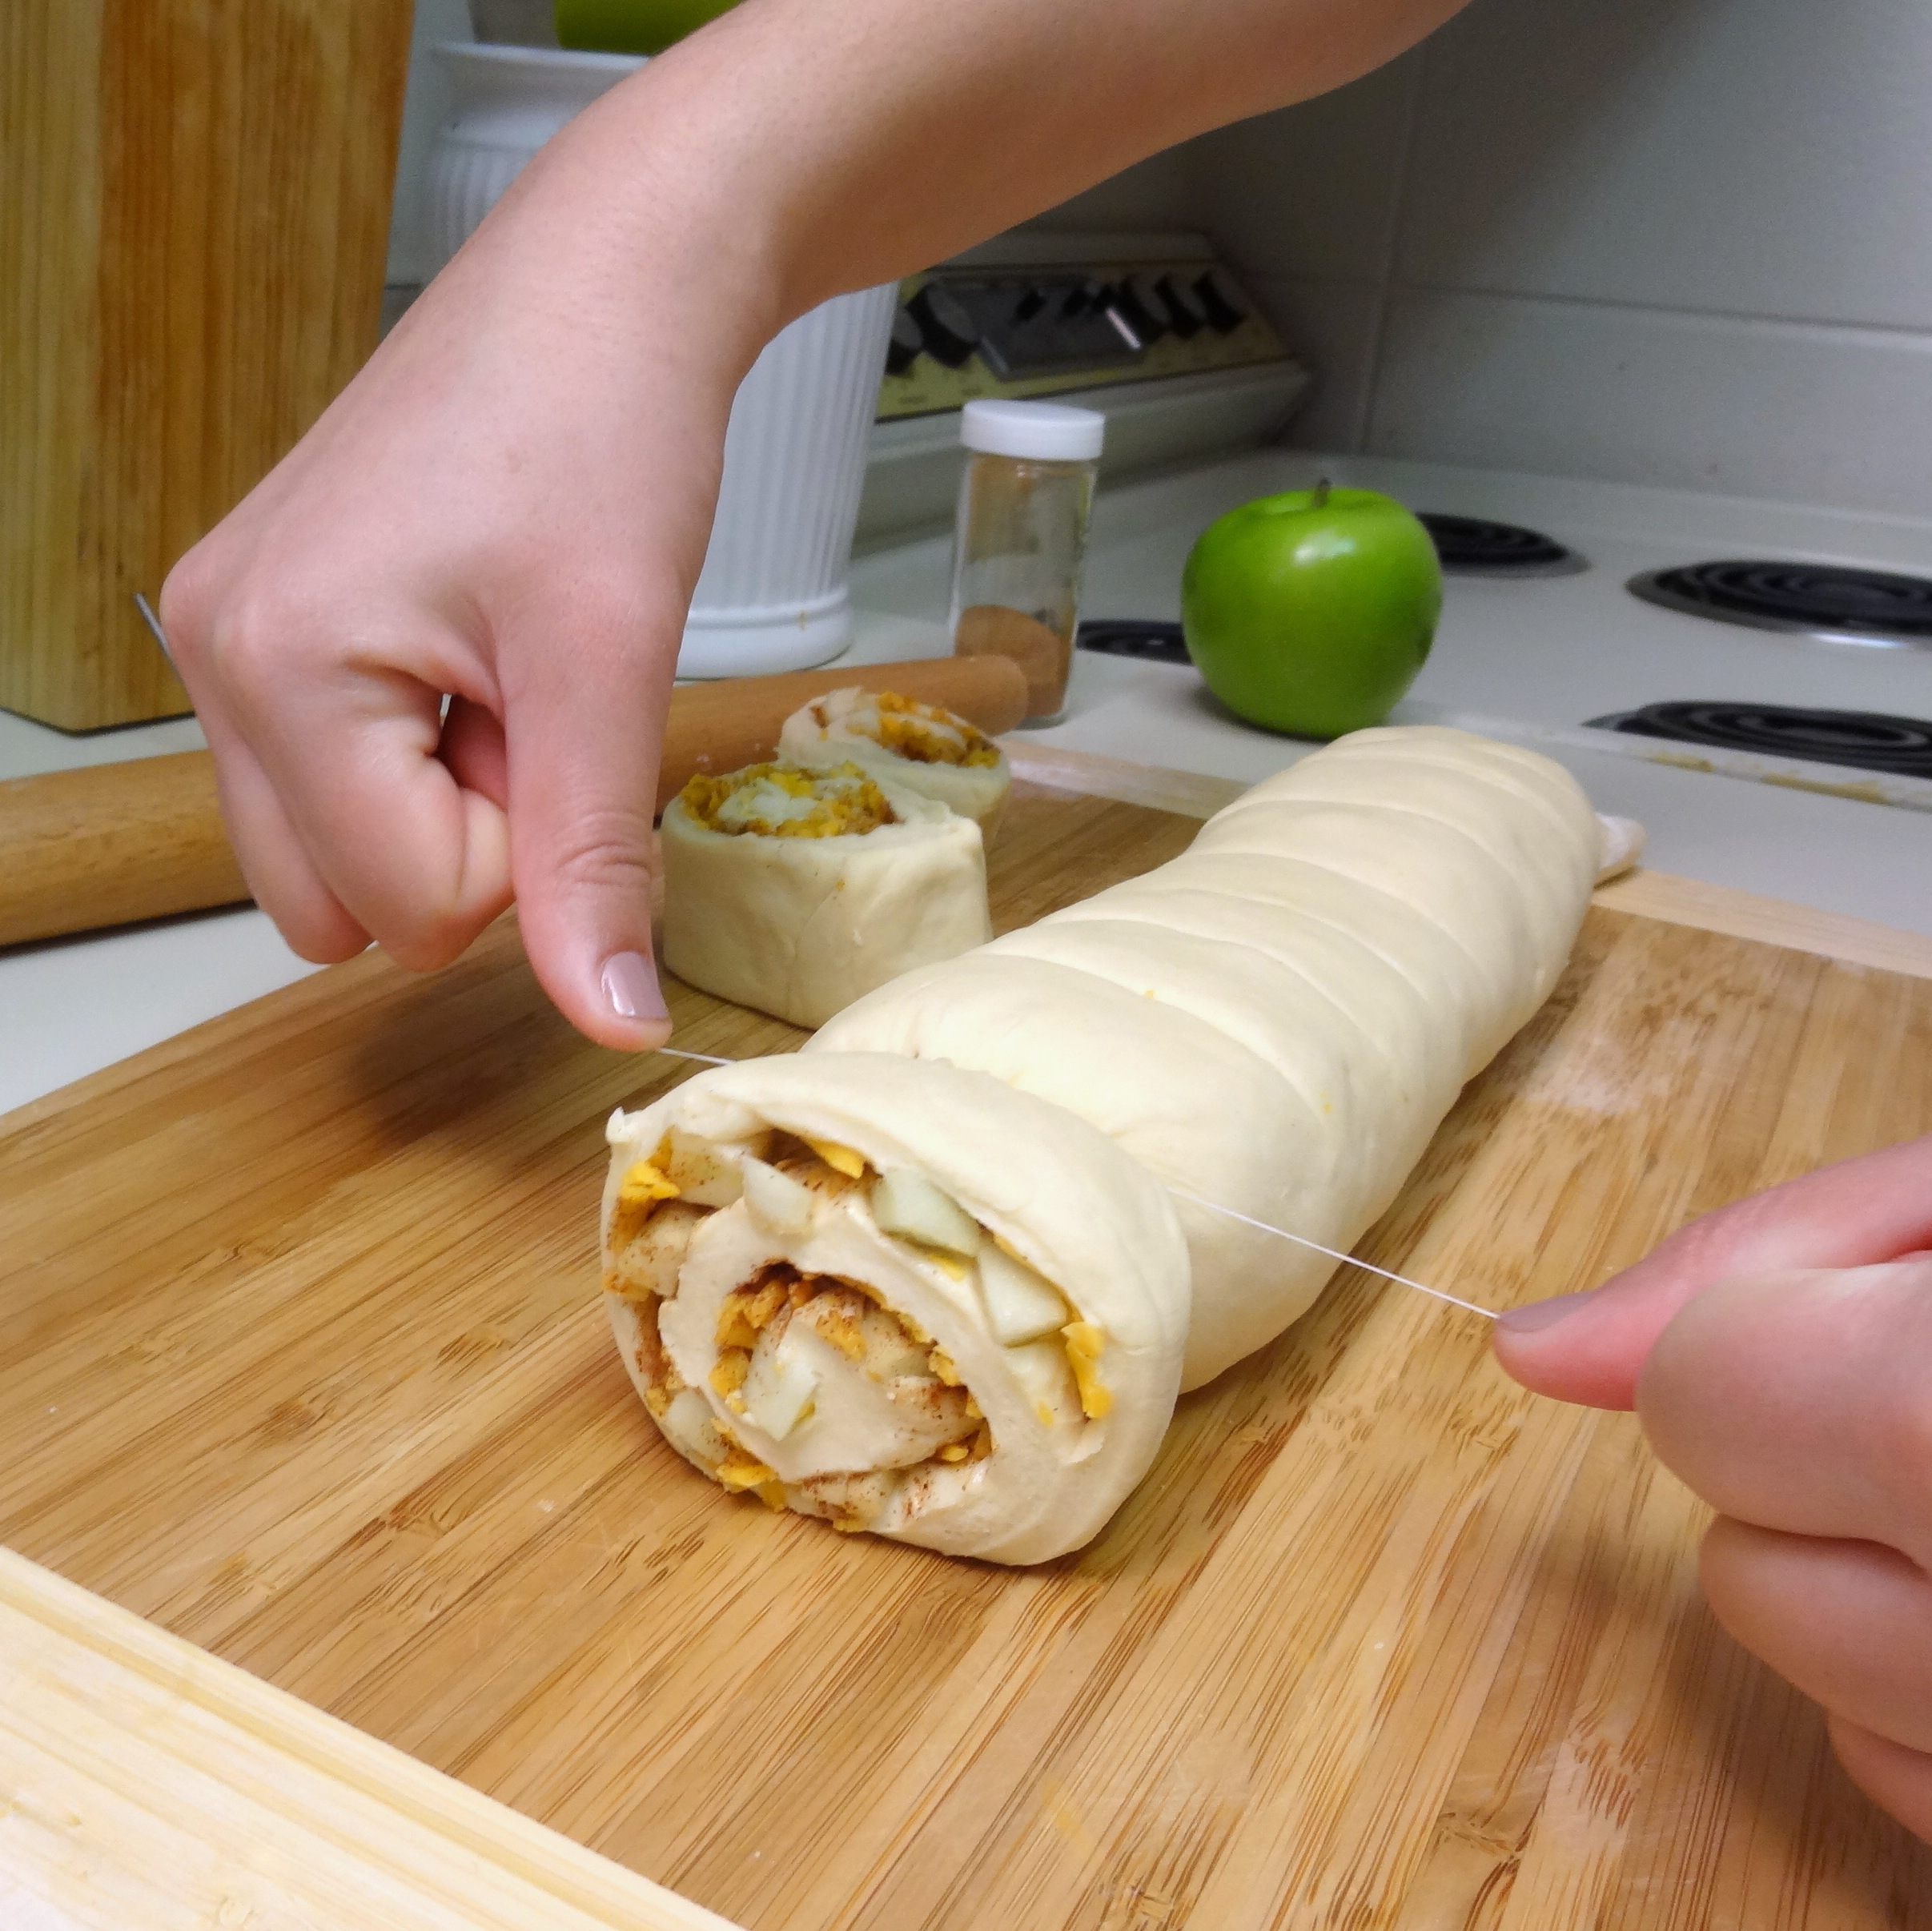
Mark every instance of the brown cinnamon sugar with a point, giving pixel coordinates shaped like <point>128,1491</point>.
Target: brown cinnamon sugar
<point>1043,654</point>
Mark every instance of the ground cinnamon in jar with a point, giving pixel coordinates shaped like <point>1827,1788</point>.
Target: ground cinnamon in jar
<point>1024,503</point>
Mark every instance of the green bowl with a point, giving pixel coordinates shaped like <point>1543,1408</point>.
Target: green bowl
<point>631,26</point>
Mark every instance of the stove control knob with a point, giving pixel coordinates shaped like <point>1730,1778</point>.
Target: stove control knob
<point>1082,298</point>
<point>1185,315</point>
<point>1138,305</point>
<point>1224,314</point>
<point>946,332</point>
<point>903,346</point>
<point>1032,300</point>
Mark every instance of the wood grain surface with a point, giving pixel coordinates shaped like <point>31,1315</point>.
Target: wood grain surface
<point>300,1356</point>
<point>194,219</point>
<point>146,1784</point>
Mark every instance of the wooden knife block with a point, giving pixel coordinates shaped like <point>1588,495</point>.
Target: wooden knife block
<point>194,200</point>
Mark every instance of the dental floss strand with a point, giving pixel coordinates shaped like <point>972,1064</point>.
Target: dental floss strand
<point>1301,1240</point>
<point>1214,1207</point>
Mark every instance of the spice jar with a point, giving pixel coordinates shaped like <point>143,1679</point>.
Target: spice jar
<point>1023,506</point>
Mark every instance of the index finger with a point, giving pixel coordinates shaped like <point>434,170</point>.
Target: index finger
<point>1799,1402</point>
<point>1590,1348</point>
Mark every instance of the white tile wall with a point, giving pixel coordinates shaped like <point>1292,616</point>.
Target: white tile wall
<point>1801,411</point>
<point>1334,326</point>
<point>1651,240</point>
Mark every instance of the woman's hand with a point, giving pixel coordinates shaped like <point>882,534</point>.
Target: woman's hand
<point>1777,1351</point>
<point>508,505</point>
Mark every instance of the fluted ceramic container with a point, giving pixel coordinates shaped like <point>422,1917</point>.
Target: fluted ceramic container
<point>773,594</point>
<point>509,101</point>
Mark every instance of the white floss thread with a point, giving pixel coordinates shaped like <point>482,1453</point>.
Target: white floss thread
<point>1301,1240</point>
<point>1214,1207</point>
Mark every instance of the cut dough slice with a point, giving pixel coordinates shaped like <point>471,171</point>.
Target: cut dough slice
<point>918,747</point>
<point>795,891</point>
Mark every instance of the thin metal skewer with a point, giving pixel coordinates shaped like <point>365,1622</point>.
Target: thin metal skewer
<point>1214,1206</point>
<point>153,624</point>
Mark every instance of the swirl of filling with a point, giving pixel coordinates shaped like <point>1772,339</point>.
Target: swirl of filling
<point>874,1295</point>
<point>920,747</point>
<point>782,800</point>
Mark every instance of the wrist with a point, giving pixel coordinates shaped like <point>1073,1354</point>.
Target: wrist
<point>627,237</point>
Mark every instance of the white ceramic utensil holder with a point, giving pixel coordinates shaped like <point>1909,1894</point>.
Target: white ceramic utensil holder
<point>772,596</point>
<point>509,101</point>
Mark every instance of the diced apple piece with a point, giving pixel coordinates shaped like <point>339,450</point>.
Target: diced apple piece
<point>890,1351</point>
<point>780,1390</point>
<point>905,1202</point>
<point>778,1203</point>
<point>1040,1369</point>
<point>692,1430</point>
<point>1021,1305</point>
<point>649,1263</point>
<point>702,1173</point>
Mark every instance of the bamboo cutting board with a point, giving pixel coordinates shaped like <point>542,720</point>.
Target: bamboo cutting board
<point>300,1356</point>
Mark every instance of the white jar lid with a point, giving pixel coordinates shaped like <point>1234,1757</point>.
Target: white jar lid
<point>1049,432</point>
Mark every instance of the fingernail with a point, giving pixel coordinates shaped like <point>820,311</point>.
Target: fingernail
<point>632,987</point>
<point>1540,1314</point>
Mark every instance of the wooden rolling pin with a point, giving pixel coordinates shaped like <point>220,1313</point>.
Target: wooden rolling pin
<point>112,843</point>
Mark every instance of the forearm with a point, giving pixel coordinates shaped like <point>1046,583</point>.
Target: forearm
<point>806,148</point>
<point>432,648</point>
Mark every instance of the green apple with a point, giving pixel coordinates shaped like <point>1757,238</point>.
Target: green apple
<point>1312,611</point>
<point>631,26</point>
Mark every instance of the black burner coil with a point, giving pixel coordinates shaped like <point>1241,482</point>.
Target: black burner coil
<point>1472,544</point>
<point>1864,741</point>
<point>1154,640</point>
<point>1825,600</point>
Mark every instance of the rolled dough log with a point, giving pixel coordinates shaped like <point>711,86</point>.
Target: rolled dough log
<point>1278,1020</point>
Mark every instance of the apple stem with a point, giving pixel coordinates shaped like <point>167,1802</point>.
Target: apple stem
<point>1321,494</point>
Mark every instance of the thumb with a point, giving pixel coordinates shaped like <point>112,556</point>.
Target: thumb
<point>582,728</point>
<point>1590,1348</point>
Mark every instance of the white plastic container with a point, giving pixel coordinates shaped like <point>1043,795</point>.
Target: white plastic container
<point>773,595</point>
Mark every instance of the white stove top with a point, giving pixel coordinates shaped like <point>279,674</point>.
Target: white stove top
<point>1537,656</point>
<point>1540,656</point>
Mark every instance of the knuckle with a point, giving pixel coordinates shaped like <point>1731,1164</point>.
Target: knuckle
<point>185,595</point>
<point>431,946</point>
<point>605,850</point>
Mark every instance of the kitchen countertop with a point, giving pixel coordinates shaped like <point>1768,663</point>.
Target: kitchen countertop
<point>1555,652</point>
<point>385,1461</point>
